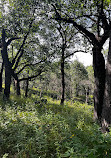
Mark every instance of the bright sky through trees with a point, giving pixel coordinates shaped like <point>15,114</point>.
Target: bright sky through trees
<point>85,58</point>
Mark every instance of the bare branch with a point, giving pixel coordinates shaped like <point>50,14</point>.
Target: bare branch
<point>12,39</point>
<point>30,77</point>
<point>30,65</point>
<point>103,18</point>
<point>87,16</point>
<point>23,43</point>
<point>74,53</point>
<point>17,62</point>
<point>88,34</point>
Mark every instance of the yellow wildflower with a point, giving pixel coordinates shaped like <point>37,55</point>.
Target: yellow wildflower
<point>72,136</point>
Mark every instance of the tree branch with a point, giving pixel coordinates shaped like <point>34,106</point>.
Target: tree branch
<point>12,39</point>
<point>74,53</point>
<point>88,34</point>
<point>104,37</point>
<point>30,65</point>
<point>17,62</point>
<point>30,77</point>
<point>103,18</point>
<point>23,43</point>
<point>87,16</point>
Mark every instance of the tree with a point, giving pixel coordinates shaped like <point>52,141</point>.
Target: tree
<point>7,63</point>
<point>97,14</point>
<point>7,38</point>
<point>1,73</point>
<point>19,22</point>
<point>66,37</point>
<point>106,113</point>
<point>91,77</point>
<point>78,73</point>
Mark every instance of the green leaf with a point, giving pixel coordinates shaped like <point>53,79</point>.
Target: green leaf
<point>0,14</point>
<point>82,5</point>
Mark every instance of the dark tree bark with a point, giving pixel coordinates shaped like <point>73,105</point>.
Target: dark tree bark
<point>7,81</point>
<point>17,84</point>
<point>7,63</point>
<point>27,85</point>
<point>1,77</point>
<point>18,87</point>
<point>77,90</point>
<point>62,74</point>
<point>99,74</point>
<point>26,89</point>
<point>7,66</point>
<point>107,96</point>
<point>106,113</point>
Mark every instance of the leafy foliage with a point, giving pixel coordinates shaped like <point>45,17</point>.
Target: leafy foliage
<point>31,129</point>
<point>40,126</point>
<point>78,73</point>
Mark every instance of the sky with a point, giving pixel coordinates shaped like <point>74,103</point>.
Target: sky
<point>84,58</point>
<point>87,58</point>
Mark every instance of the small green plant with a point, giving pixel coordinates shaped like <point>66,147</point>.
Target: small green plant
<point>30,129</point>
<point>5,155</point>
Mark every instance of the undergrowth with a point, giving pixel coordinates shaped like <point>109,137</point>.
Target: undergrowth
<point>31,129</point>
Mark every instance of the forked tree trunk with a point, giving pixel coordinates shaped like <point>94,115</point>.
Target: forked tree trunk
<point>99,74</point>
<point>8,65</point>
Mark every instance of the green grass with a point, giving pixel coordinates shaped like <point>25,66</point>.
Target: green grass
<point>30,130</point>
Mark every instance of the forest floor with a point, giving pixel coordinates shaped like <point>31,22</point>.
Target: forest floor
<point>42,128</point>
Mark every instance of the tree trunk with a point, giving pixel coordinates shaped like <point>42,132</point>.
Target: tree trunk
<point>62,74</point>
<point>1,77</point>
<point>86,89</point>
<point>26,90</point>
<point>7,81</point>
<point>16,82</point>
<point>17,87</point>
<point>7,64</point>
<point>106,114</point>
<point>99,74</point>
<point>77,90</point>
